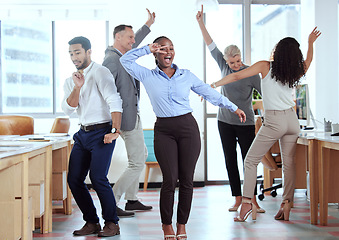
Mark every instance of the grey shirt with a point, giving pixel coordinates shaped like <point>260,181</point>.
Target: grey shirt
<point>239,92</point>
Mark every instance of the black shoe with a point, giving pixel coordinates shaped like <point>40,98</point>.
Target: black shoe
<point>136,206</point>
<point>88,229</point>
<point>122,213</point>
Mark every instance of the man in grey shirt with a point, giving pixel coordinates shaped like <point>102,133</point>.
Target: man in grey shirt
<point>131,128</point>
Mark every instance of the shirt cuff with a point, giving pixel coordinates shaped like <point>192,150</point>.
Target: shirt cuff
<point>212,46</point>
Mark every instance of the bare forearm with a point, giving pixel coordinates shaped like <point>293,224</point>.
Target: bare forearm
<point>309,56</point>
<point>116,120</point>
<point>207,37</point>
<point>225,80</point>
<point>73,99</point>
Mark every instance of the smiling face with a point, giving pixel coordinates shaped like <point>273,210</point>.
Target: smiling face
<point>124,40</point>
<point>79,56</point>
<point>234,62</point>
<point>165,60</point>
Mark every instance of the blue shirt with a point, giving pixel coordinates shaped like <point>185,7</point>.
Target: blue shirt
<point>170,96</point>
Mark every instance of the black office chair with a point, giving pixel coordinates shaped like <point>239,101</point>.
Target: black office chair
<point>272,167</point>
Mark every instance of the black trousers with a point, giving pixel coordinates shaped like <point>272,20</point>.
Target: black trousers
<point>177,147</point>
<point>230,135</point>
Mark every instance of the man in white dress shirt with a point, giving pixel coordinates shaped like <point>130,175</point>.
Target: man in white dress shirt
<point>92,93</point>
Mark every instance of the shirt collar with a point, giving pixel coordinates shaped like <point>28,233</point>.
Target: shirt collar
<point>88,68</point>
<point>118,51</point>
<point>177,70</point>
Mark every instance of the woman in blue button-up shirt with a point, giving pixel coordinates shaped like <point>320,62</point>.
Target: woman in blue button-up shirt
<point>176,134</point>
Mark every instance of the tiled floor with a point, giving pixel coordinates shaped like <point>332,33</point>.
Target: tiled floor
<point>209,220</point>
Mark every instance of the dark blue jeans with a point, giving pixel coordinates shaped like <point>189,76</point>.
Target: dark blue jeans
<point>90,154</point>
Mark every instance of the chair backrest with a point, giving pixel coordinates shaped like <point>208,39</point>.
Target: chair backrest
<point>149,142</point>
<point>16,125</point>
<point>272,158</point>
<point>61,125</point>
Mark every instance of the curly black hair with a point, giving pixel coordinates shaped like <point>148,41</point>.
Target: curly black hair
<point>288,62</point>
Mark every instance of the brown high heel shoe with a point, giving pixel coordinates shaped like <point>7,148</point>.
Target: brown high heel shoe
<point>284,211</point>
<point>252,211</point>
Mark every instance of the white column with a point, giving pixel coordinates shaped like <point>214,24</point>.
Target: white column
<point>323,74</point>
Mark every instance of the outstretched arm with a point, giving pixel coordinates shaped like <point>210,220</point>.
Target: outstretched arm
<point>261,67</point>
<point>151,18</point>
<point>311,39</point>
<point>207,38</point>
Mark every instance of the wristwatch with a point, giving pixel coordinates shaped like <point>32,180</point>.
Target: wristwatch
<point>114,130</point>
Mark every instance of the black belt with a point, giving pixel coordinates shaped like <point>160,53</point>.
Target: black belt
<point>95,126</point>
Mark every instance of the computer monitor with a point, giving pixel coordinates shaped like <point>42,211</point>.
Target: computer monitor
<point>302,104</point>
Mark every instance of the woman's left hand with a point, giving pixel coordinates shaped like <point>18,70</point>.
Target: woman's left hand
<point>241,115</point>
<point>314,35</point>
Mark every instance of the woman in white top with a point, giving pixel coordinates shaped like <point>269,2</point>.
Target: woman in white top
<point>279,77</point>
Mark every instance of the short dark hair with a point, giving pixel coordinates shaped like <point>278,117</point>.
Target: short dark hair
<point>120,28</point>
<point>85,43</point>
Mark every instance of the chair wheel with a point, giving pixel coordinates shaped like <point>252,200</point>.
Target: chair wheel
<point>274,193</point>
<point>261,197</point>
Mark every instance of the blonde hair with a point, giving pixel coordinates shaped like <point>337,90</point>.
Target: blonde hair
<point>231,51</point>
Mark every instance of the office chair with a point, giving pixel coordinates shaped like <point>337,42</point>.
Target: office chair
<point>61,125</point>
<point>151,161</point>
<point>16,125</point>
<point>272,167</point>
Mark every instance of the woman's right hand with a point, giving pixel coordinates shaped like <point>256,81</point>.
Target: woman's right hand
<point>157,48</point>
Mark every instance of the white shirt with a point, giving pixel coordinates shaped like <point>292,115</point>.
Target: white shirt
<point>276,96</point>
<point>98,96</point>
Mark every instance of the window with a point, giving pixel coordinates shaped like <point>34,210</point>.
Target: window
<point>32,74</point>
<point>268,23</point>
<point>225,28</point>
<point>25,48</point>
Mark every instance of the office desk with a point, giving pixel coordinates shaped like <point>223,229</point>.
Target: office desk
<point>323,165</point>
<point>328,162</point>
<point>30,164</point>
<point>24,171</point>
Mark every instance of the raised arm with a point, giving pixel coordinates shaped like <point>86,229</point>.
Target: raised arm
<point>261,67</point>
<point>311,39</point>
<point>207,38</point>
<point>151,18</point>
<point>144,30</point>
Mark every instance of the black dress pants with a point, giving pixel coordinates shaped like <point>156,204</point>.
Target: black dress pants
<point>230,135</point>
<point>177,147</point>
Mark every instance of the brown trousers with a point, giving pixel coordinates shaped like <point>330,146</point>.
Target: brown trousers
<point>177,147</point>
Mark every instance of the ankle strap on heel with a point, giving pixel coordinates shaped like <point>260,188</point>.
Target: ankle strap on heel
<point>249,201</point>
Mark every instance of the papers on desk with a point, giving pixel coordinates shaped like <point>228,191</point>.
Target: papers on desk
<point>6,146</point>
<point>56,135</point>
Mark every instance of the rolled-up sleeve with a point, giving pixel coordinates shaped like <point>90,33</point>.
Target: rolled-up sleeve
<point>68,110</point>
<point>108,89</point>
